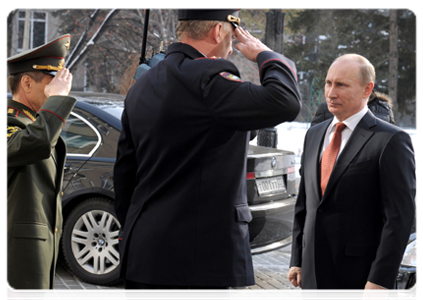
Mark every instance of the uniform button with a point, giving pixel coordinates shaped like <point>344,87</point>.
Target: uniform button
<point>55,230</point>
<point>61,194</point>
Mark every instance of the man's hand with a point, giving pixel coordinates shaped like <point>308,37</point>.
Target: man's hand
<point>60,85</point>
<point>294,276</point>
<point>249,46</point>
<point>375,292</point>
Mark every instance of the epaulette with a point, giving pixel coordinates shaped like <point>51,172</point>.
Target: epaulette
<point>11,111</point>
<point>212,57</point>
<point>226,75</point>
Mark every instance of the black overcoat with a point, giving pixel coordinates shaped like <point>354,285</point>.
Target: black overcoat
<point>180,174</point>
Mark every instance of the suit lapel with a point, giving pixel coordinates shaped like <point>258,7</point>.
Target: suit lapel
<point>316,142</point>
<point>357,140</point>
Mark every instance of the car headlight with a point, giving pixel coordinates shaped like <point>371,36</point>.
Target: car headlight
<point>409,258</point>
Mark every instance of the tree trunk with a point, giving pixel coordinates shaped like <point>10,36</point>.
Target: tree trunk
<point>274,30</point>
<point>162,28</point>
<point>393,59</point>
<point>273,38</point>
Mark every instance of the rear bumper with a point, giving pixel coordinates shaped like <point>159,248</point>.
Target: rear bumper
<point>271,227</point>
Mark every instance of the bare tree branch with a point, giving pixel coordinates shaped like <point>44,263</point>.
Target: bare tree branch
<point>81,55</point>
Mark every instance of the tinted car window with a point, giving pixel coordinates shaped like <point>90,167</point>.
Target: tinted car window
<point>80,138</point>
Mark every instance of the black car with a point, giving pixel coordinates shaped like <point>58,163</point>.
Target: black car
<point>408,279</point>
<point>90,235</point>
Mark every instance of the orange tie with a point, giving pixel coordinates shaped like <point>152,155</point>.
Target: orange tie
<point>329,156</point>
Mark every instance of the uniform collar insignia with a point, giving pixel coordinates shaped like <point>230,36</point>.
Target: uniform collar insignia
<point>29,114</point>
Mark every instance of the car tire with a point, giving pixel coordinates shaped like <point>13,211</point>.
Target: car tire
<point>90,242</point>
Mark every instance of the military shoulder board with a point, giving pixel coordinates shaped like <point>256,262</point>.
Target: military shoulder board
<point>13,112</point>
<point>230,76</point>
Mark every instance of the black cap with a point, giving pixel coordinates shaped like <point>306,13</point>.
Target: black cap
<point>228,15</point>
<point>48,58</point>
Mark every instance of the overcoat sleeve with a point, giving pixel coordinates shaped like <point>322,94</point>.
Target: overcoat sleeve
<point>245,106</point>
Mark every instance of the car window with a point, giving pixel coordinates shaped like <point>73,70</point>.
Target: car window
<point>80,138</point>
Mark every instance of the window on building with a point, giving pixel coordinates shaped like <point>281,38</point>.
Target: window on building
<point>37,29</point>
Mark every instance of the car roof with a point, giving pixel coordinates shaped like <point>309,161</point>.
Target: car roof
<point>107,107</point>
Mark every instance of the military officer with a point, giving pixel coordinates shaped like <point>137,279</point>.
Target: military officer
<point>180,174</point>
<point>35,156</point>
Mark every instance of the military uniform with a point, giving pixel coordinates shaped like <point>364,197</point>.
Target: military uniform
<point>180,174</point>
<point>35,159</point>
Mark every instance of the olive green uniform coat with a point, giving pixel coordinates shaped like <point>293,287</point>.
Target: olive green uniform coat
<point>35,156</point>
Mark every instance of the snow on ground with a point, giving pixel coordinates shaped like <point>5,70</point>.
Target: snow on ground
<point>291,137</point>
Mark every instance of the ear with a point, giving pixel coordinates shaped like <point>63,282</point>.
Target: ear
<point>216,33</point>
<point>368,89</point>
<point>26,83</point>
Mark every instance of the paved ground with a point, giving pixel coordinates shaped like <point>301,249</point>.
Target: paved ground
<point>270,271</point>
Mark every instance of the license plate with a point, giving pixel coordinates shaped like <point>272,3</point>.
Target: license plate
<point>270,186</point>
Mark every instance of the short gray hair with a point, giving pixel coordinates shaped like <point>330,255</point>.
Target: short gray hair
<point>196,29</point>
<point>367,71</point>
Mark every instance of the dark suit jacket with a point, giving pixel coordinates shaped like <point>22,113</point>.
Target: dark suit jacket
<point>180,174</point>
<point>35,160</point>
<point>358,230</point>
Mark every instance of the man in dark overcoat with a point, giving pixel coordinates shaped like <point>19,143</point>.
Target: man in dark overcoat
<point>180,174</point>
<point>35,160</point>
<point>352,224</point>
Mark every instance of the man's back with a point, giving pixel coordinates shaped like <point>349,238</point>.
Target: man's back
<point>185,127</point>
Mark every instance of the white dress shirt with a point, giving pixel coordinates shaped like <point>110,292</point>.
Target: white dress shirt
<point>351,123</point>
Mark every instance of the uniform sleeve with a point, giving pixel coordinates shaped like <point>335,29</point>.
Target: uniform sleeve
<point>244,106</point>
<point>398,190</point>
<point>32,143</point>
<point>124,171</point>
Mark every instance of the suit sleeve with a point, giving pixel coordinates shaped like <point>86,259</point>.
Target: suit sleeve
<point>244,106</point>
<point>124,171</point>
<point>299,220</point>
<point>32,143</point>
<point>398,189</point>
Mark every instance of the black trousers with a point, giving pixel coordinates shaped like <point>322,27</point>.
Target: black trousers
<point>142,291</point>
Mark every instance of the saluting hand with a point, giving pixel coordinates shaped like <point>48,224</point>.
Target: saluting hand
<point>60,85</point>
<point>249,46</point>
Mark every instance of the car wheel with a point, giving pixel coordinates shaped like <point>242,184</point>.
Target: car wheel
<point>90,242</point>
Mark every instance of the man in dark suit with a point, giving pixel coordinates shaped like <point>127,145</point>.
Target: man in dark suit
<point>180,174</point>
<point>352,225</point>
<point>35,160</point>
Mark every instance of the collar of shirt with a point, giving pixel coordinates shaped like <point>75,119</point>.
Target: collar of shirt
<point>351,123</point>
